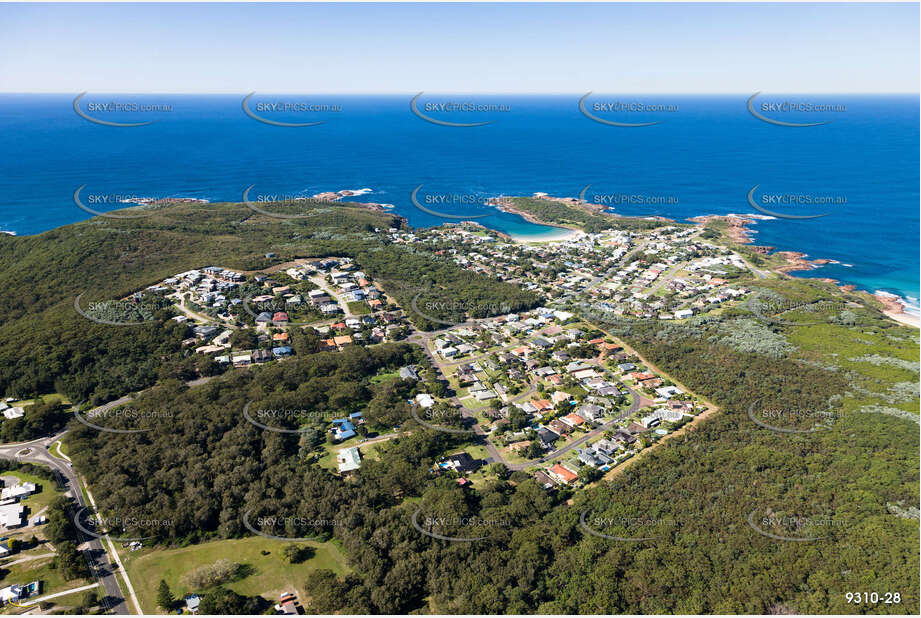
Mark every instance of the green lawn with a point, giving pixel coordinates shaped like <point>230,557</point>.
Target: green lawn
<point>512,457</point>
<point>271,575</point>
<point>70,601</point>
<point>38,501</point>
<point>359,307</point>
<point>40,570</point>
<point>47,398</point>
<point>385,377</point>
<point>59,448</point>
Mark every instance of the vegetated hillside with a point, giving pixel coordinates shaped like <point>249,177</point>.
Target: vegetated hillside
<point>45,345</point>
<point>695,500</point>
<point>588,219</point>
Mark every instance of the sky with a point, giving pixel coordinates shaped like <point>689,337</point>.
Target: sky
<point>459,48</point>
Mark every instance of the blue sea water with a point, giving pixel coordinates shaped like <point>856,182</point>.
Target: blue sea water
<point>703,158</point>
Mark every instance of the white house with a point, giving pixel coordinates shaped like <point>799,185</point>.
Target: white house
<point>17,491</point>
<point>348,459</point>
<point>12,413</point>
<point>12,515</point>
<point>425,400</point>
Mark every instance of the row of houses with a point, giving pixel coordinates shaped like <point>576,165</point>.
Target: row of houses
<point>12,511</point>
<point>246,358</point>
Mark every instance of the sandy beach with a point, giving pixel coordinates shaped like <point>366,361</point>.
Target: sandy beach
<point>562,234</point>
<point>895,309</point>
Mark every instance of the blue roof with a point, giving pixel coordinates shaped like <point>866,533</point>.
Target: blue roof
<point>281,350</point>
<point>355,415</point>
<point>344,427</point>
<point>345,435</point>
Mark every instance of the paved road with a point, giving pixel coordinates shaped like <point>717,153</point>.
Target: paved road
<point>97,559</point>
<point>31,602</point>
<point>482,437</point>
<point>320,282</point>
<point>634,406</point>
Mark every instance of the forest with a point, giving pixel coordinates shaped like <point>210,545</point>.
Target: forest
<point>694,495</point>
<point>47,346</point>
<point>589,220</point>
<point>692,500</point>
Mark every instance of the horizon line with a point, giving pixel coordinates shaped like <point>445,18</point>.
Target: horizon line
<point>472,93</point>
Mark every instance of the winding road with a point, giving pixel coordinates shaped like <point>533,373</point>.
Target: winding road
<point>36,452</point>
<point>482,437</point>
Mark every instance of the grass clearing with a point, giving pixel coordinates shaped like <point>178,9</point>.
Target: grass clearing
<point>271,574</point>
<point>52,580</point>
<point>48,490</point>
<point>359,307</point>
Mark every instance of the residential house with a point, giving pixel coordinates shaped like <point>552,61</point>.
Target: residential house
<point>13,413</point>
<point>547,437</point>
<point>669,391</point>
<point>573,420</point>
<point>544,480</point>
<point>409,373</point>
<point>349,459</point>
<point>12,515</point>
<point>559,427</point>
<point>262,356</point>
<point>343,429</point>
<point>281,351</point>
<point>18,491</point>
<point>562,475</point>
<point>590,412</point>
<point>192,601</point>
<point>460,462</point>
<point>425,400</point>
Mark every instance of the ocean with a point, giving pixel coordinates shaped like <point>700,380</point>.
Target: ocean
<point>703,157</point>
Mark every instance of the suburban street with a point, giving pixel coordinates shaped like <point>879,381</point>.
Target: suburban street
<point>36,452</point>
<point>423,338</point>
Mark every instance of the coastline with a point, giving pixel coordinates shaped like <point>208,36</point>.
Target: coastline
<point>893,305</point>
<point>563,235</point>
<point>566,232</point>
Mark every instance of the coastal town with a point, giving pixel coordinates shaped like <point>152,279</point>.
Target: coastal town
<point>546,390</point>
<point>550,392</point>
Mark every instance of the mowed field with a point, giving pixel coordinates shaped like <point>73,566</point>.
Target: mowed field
<point>270,574</point>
